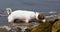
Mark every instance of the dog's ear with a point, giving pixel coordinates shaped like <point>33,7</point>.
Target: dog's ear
<point>9,11</point>
<point>41,16</point>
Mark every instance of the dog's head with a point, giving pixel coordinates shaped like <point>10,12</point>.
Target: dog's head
<point>41,17</point>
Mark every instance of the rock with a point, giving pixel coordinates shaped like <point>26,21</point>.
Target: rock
<point>3,30</point>
<point>56,25</point>
<point>43,27</point>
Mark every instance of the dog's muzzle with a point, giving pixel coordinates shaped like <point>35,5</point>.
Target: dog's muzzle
<point>44,20</point>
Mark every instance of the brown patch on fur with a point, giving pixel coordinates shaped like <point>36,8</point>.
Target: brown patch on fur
<point>41,16</point>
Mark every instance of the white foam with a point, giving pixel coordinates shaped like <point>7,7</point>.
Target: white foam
<point>52,12</point>
<point>8,28</point>
<point>48,16</point>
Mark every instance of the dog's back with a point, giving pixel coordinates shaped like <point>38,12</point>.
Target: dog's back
<point>20,13</point>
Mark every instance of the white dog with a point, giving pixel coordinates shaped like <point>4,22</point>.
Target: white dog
<point>24,15</point>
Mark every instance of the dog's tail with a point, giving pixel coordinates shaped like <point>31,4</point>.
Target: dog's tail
<point>9,11</point>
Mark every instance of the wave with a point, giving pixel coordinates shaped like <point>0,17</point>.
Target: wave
<point>52,12</point>
<point>50,16</point>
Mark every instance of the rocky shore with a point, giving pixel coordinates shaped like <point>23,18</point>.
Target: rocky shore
<point>49,26</point>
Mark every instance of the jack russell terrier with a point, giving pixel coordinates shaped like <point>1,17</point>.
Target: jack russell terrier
<point>24,15</point>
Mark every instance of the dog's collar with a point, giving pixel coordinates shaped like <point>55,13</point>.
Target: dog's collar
<point>36,15</point>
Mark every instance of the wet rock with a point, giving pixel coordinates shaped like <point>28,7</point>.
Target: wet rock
<point>27,30</point>
<point>58,30</point>
<point>15,29</point>
<point>56,26</point>
<point>3,30</point>
<point>43,27</point>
